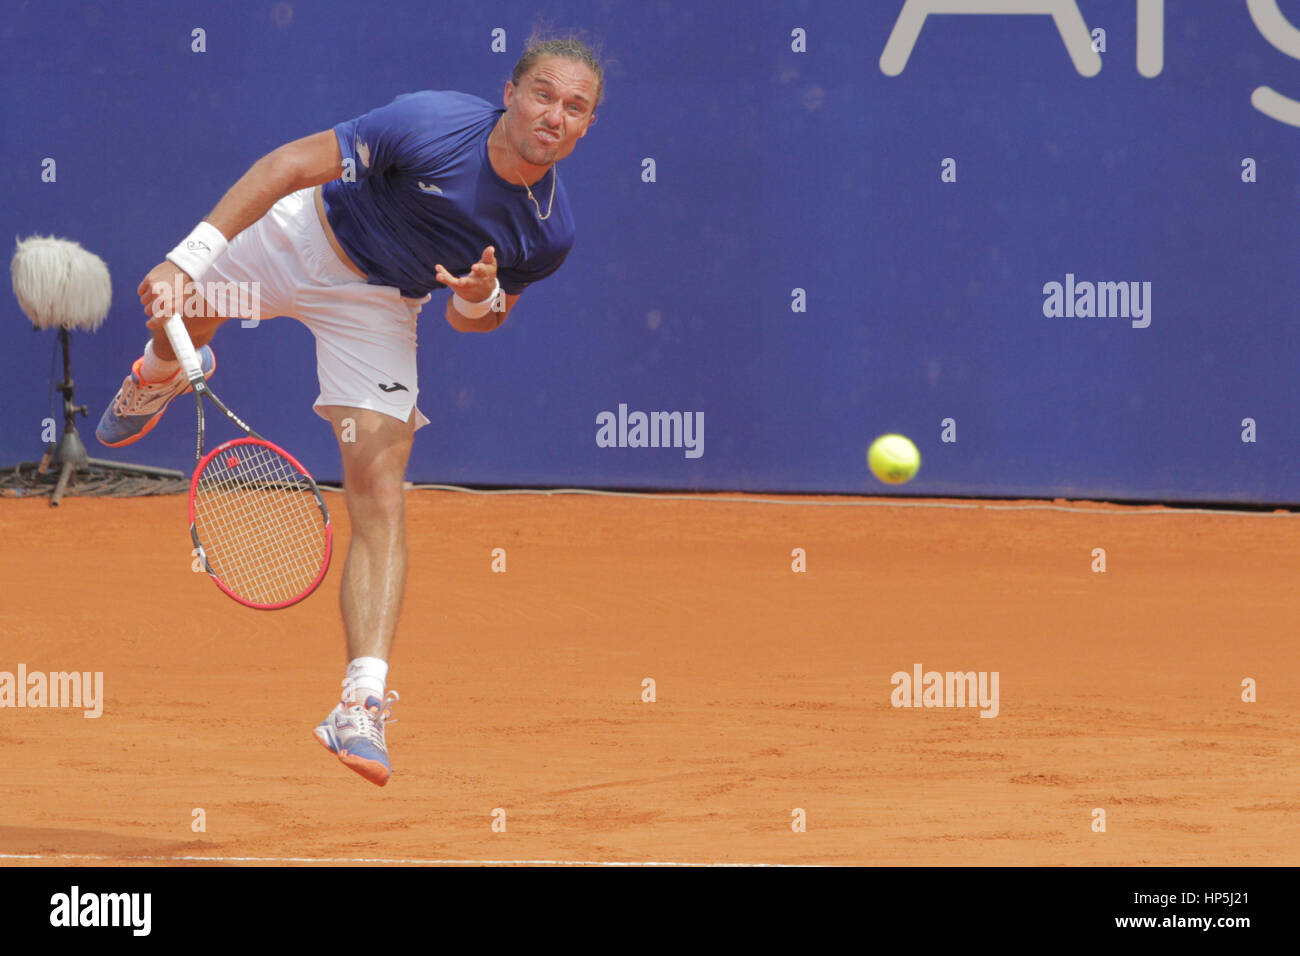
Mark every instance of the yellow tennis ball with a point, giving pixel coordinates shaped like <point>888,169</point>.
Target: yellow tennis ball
<point>893,459</point>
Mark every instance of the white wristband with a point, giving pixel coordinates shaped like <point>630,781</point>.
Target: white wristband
<point>476,310</point>
<point>199,250</point>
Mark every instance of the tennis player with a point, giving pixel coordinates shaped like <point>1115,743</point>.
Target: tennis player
<point>349,231</point>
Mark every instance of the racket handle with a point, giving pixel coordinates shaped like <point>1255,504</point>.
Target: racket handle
<point>184,349</point>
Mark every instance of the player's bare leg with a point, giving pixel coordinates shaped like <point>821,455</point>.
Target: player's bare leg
<point>201,329</point>
<point>200,318</point>
<point>375,449</point>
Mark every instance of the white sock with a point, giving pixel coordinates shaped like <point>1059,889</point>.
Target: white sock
<point>154,369</point>
<point>365,677</point>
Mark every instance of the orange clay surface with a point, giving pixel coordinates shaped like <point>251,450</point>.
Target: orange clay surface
<point>522,691</point>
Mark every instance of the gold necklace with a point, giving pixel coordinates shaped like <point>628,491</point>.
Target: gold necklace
<point>551,202</point>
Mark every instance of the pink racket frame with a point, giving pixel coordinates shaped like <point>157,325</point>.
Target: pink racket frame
<point>329,526</point>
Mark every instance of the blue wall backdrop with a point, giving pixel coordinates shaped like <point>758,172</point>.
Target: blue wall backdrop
<point>775,170</point>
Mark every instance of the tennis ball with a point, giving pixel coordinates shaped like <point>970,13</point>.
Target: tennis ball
<point>893,459</point>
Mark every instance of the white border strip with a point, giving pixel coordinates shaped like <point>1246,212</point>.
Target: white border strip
<point>369,860</point>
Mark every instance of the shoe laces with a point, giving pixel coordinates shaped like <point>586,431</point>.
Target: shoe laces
<point>134,400</point>
<point>371,722</point>
<point>385,714</point>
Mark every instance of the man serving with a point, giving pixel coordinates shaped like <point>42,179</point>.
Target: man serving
<point>349,231</point>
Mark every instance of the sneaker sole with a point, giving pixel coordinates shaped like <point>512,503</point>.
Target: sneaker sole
<point>371,770</point>
<point>148,427</point>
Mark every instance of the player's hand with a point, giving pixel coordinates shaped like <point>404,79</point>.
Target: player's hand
<point>158,292</point>
<point>480,282</point>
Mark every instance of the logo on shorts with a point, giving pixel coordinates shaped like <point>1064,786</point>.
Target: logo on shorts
<point>429,189</point>
<point>395,387</point>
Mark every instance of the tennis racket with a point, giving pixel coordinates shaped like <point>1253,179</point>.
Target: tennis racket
<point>257,519</point>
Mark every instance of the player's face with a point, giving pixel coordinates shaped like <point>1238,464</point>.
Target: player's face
<point>550,109</point>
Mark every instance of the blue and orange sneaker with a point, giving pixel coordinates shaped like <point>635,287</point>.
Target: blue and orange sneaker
<point>355,734</point>
<point>138,404</point>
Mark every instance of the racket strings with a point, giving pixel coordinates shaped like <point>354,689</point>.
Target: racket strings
<point>260,524</point>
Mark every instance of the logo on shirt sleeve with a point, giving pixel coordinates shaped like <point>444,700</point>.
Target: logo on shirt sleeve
<point>430,188</point>
<point>363,153</point>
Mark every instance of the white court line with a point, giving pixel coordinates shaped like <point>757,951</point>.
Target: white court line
<point>1117,508</point>
<point>348,859</point>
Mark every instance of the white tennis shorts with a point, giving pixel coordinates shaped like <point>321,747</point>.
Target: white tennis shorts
<point>365,334</point>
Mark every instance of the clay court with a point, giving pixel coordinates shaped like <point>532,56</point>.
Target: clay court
<point>523,690</point>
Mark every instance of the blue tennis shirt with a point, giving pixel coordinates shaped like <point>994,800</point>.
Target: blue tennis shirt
<point>426,194</point>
